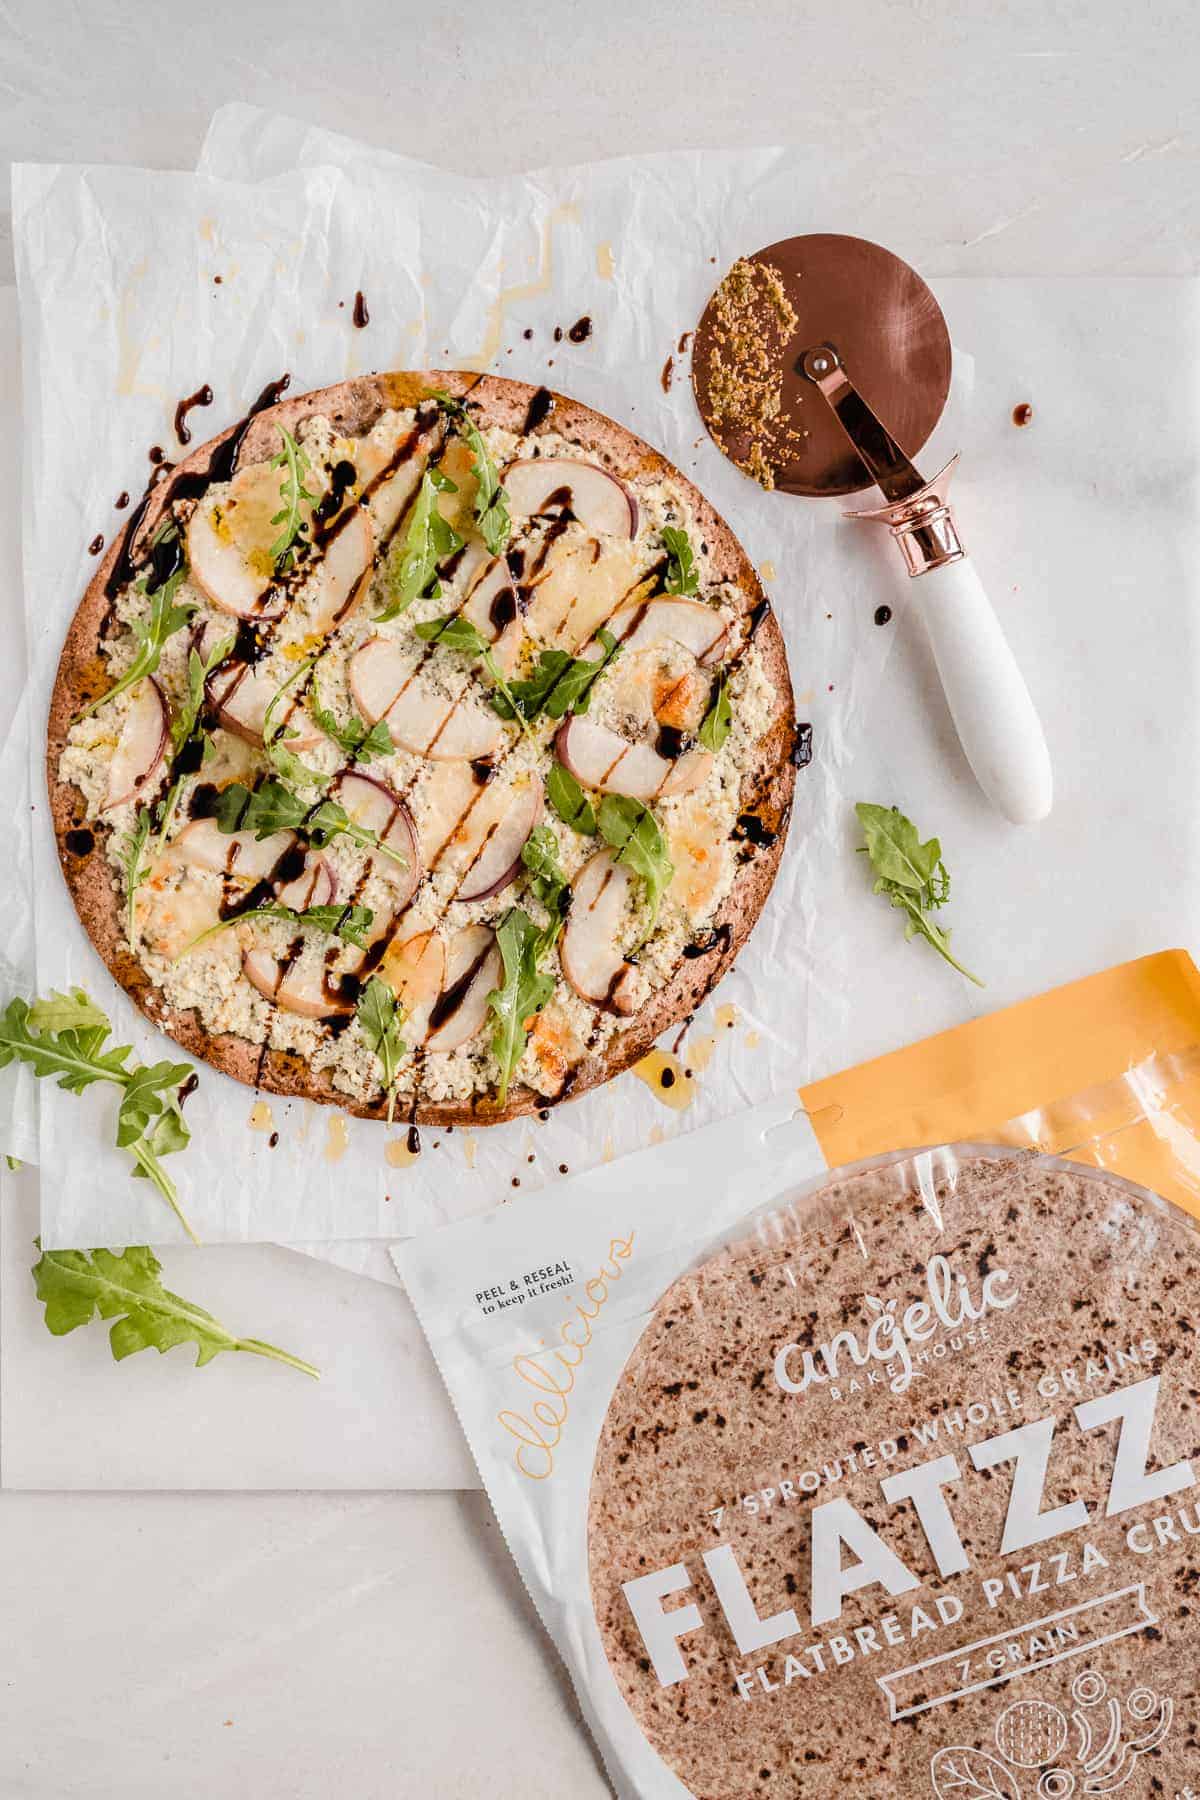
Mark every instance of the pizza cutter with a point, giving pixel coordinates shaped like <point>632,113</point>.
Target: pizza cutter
<point>862,356</point>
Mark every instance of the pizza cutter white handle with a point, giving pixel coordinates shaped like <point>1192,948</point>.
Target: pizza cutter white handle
<point>989,702</point>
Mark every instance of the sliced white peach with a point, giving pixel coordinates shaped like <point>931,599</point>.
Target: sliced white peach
<point>386,493</point>
<point>701,629</point>
<point>420,719</point>
<point>491,606</point>
<point>229,544</point>
<point>599,501</point>
<point>498,859</point>
<point>473,970</point>
<point>341,577</point>
<point>379,808</point>
<point>203,845</point>
<point>313,886</point>
<point>294,987</point>
<point>476,805</point>
<point>602,759</point>
<point>448,792</point>
<point>416,973</point>
<point>588,951</point>
<point>243,857</point>
<point>457,505</point>
<point>577,591</point>
<point>141,746</point>
<point>240,696</point>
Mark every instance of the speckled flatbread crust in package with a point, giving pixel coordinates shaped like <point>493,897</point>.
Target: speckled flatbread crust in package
<point>889,1486</point>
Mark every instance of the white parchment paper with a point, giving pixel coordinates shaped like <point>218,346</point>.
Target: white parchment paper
<point>122,313</point>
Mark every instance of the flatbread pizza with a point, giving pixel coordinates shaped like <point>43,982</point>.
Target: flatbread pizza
<point>425,743</point>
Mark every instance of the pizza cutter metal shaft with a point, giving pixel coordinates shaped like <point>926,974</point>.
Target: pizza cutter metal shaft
<point>985,690</point>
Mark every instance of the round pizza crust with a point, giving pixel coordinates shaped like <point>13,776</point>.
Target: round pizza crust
<point>354,406</point>
<point>698,1422</point>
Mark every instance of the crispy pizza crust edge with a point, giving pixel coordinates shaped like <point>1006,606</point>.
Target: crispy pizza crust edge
<point>354,406</point>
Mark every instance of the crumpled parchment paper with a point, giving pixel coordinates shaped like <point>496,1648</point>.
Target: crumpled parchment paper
<point>122,314</point>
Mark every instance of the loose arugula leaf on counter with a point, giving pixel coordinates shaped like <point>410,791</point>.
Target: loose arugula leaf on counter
<point>412,565</point>
<point>152,633</point>
<point>292,495</point>
<point>718,720</point>
<point>380,1017</point>
<point>682,575</point>
<point>491,501</point>
<point>360,743</point>
<point>76,1286</point>
<point>523,993</point>
<point>455,632</point>
<point>350,923</point>
<point>634,834</point>
<point>65,1035</point>
<point>131,851</point>
<point>910,873</point>
<point>273,807</point>
<point>560,683</point>
<point>570,802</point>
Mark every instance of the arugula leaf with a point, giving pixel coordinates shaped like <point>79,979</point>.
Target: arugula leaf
<point>359,743</point>
<point>412,568</point>
<point>289,767</point>
<point>453,631</point>
<point>491,501</point>
<point>76,1286</point>
<point>910,873</point>
<point>380,1017</point>
<point>65,1035</point>
<point>560,683</point>
<point>456,632</point>
<point>292,494</point>
<point>523,993</point>
<point>67,1012</point>
<point>198,671</point>
<point>634,834</point>
<point>131,851</point>
<point>718,720</point>
<point>547,882</point>
<point>273,807</point>
<point>682,575</point>
<point>166,618</point>
<point>569,801</point>
<point>143,1100</point>
<point>285,762</point>
<point>350,923</point>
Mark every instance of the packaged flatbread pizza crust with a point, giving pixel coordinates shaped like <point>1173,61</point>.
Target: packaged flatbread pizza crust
<point>887,1486</point>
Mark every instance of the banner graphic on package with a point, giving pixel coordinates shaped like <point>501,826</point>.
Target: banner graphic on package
<point>890,1488</point>
<point>1075,1631</point>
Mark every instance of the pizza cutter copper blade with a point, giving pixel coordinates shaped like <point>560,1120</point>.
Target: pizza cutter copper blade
<point>821,365</point>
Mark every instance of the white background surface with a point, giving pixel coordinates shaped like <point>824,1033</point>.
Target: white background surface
<point>380,1642</point>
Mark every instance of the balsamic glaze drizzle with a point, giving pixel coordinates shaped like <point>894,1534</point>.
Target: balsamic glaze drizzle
<point>540,408</point>
<point>201,397</point>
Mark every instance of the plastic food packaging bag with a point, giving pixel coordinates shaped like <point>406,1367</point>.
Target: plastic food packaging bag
<point>882,1479</point>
